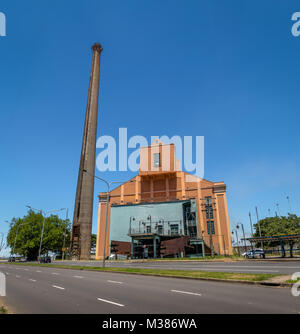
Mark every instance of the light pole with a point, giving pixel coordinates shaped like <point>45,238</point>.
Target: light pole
<point>17,235</point>
<point>43,227</point>
<point>237,226</point>
<point>288,199</point>
<point>64,242</point>
<point>237,239</point>
<point>107,203</point>
<point>251,224</point>
<point>2,241</point>
<point>131,219</point>
<point>261,243</point>
<point>277,205</point>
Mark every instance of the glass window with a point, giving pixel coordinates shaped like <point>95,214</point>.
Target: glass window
<point>209,212</point>
<point>156,159</point>
<point>174,229</point>
<point>212,225</point>
<point>208,200</point>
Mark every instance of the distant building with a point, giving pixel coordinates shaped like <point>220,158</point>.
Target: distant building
<point>164,212</point>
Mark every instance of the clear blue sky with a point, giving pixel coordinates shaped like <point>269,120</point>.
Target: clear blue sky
<point>226,70</point>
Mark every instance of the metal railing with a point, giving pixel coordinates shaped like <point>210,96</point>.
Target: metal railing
<point>162,228</point>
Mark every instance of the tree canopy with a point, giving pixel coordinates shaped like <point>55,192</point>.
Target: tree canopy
<point>274,226</point>
<point>24,235</point>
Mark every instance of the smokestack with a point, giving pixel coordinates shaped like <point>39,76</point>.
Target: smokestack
<point>83,209</point>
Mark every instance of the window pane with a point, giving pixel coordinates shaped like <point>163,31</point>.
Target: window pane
<point>156,159</point>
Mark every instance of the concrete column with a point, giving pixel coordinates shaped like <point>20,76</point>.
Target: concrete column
<point>132,248</point>
<point>154,247</point>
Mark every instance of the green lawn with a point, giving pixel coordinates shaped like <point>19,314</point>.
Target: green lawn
<point>167,273</point>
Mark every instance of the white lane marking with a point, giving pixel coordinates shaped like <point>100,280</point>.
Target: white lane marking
<point>38,271</point>
<point>32,280</point>
<point>58,287</point>
<point>55,273</point>
<point>26,269</point>
<point>78,276</point>
<point>188,293</point>
<point>266,266</point>
<point>108,301</point>
<point>255,270</point>
<point>116,282</point>
<point>18,276</point>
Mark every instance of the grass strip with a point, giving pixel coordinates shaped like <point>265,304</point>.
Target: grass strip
<point>166,273</point>
<point>3,310</point>
<point>293,281</point>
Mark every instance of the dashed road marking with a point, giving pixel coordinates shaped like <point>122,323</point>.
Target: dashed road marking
<point>116,282</point>
<point>78,276</point>
<point>110,302</point>
<point>58,287</point>
<point>32,280</point>
<point>188,293</point>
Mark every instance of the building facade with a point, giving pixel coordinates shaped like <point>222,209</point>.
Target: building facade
<point>164,212</point>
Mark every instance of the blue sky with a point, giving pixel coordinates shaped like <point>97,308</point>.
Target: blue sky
<point>225,70</point>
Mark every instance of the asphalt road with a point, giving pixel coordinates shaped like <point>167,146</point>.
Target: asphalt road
<point>44,290</point>
<point>268,267</point>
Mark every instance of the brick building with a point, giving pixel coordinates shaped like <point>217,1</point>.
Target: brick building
<point>164,212</point>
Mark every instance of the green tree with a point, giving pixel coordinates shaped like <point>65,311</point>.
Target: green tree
<point>273,226</point>
<point>93,243</point>
<point>28,232</point>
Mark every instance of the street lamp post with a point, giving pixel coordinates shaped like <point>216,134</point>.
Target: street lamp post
<point>64,242</point>
<point>131,219</point>
<point>237,238</point>
<point>237,226</point>
<point>2,241</point>
<point>108,184</point>
<point>251,224</point>
<point>13,251</point>
<point>43,226</point>
<point>258,223</point>
<point>288,199</point>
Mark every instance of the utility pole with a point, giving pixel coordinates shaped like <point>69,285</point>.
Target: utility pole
<point>288,199</point>
<point>2,241</point>
<point>43,226</point>
<point>277,205</point>
<point>251,224</point>
<point>237,226</point>
<point>237,240</point>
<point>108,184</point>
<point>261,243</point>
<point>64,243</point>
